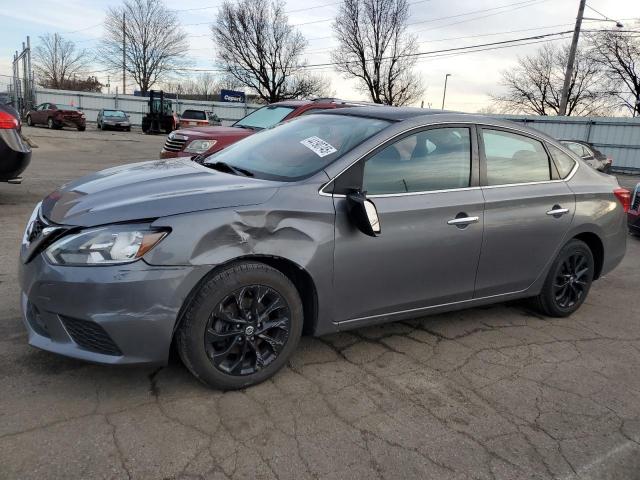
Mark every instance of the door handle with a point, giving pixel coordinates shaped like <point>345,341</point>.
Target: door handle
<point>463,221</point>
<point>556,211</point>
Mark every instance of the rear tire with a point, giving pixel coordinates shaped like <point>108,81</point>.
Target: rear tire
<point>568,281</point>
<point>50,123</point>
<point>241,326</point>
<point>29,121</point>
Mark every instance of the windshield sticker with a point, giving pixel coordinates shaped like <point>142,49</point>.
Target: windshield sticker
<point>318,146</point>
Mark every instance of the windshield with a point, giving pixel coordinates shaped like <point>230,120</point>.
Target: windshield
<point>299,148</point>
<point>114,113</point>
<point>264,117</point>
<point>61,106</point>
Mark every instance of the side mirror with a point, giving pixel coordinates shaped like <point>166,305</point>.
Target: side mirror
<point>363,213</point>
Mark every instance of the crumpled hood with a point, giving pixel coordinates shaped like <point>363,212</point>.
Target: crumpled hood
<point>150,190</point>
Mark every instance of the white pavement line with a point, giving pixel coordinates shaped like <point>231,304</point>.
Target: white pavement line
<point>623,450</point>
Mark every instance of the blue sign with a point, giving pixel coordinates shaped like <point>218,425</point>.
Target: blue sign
<point>232,96</point>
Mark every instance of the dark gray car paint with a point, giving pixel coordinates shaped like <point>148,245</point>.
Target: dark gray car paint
<point>150,190</point>
<point>217,218</point>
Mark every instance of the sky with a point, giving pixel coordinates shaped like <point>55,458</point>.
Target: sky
<point>438,24</point>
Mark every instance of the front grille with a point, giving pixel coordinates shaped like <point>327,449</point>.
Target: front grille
<point>90,336</point>
<point>175,144</point>
<point>636,201</point>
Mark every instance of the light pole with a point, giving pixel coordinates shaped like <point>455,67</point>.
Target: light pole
<point>572,52</point>
<point>444,93</point>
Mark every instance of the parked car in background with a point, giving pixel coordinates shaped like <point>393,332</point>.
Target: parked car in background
<point>113,119</point>
<point>589,154</point>
<point>55,115</point>
<point>633,217</point>
<point>337,220</point>
<point>206,140</point>
<point>195,118</point>
<point>15,153</point>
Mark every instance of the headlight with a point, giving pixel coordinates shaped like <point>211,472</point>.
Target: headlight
<point>199,146</point>
<point>104,245</point>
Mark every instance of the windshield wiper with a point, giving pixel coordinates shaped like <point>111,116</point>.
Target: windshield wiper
<point>245,126</point>
<point>225,167</point>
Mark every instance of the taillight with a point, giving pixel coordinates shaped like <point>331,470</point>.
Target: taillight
<point>624,196</point>
<point>8,121</point>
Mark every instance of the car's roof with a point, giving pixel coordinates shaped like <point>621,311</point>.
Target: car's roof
<point>415,114</point>
<point>384,112</point>
<point>583,142</point>
<point>290,103</point>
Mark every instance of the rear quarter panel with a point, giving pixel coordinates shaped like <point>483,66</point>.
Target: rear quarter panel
<point>599,211</point>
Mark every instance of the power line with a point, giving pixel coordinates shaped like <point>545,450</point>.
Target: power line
<point>473,12</point>
<point>419,54</point>
<point>479,35</point>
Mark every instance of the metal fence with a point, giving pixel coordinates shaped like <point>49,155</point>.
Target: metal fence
<point>136,107</point>
<point>617,137</point>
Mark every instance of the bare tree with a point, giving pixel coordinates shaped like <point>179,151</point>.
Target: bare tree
<point>154,43</point>
<point>375,48</point>
<point>257,46</point>
<point>618,53</point>
<point>534,85</point>
<point>57,61</point>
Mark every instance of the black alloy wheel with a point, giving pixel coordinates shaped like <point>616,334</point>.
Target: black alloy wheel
<point>247,330</point>
<point>241,325</point>
<point>568,281</point>
<point>571,280</point>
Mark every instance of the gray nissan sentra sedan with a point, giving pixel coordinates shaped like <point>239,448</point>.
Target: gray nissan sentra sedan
<point>329,222</point>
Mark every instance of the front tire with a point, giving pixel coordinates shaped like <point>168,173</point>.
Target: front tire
<point>568,281</point>
<point>241,326</point>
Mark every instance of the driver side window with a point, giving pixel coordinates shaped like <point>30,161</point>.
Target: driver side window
<point>434,159</point>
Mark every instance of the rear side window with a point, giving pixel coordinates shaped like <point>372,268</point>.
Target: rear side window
<point>436,159</point>
<point>564,163</point>
<point>513,158</point>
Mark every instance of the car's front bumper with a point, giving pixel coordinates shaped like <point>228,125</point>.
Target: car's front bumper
<point>124,314</point>
<point>116,125</point>
<point>168,154</point>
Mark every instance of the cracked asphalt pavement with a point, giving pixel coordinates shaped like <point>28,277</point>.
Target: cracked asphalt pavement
<point>488,393</point>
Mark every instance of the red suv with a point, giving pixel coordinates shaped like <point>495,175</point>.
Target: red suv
<point>188,142</point>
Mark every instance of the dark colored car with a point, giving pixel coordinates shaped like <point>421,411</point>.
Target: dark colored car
<point>633,217</point>
<point>114,120</point>
<point>207,140</point>
<point>55,115</point>
<point>15,153</point>
<point>233,258</point>
<point>590,154</point>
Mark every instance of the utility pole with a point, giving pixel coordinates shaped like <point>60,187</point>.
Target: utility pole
<point>444,94</point>
<point>572,57</point>
<point>124,29</point>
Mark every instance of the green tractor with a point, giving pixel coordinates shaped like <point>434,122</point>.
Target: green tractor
<point>160,118</point>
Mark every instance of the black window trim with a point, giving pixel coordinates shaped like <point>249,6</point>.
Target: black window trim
<point>476,126</point>
<point>474,180</point>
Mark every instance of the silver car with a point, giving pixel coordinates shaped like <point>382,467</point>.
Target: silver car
<point>329,222</point>
<point>114,120</point>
